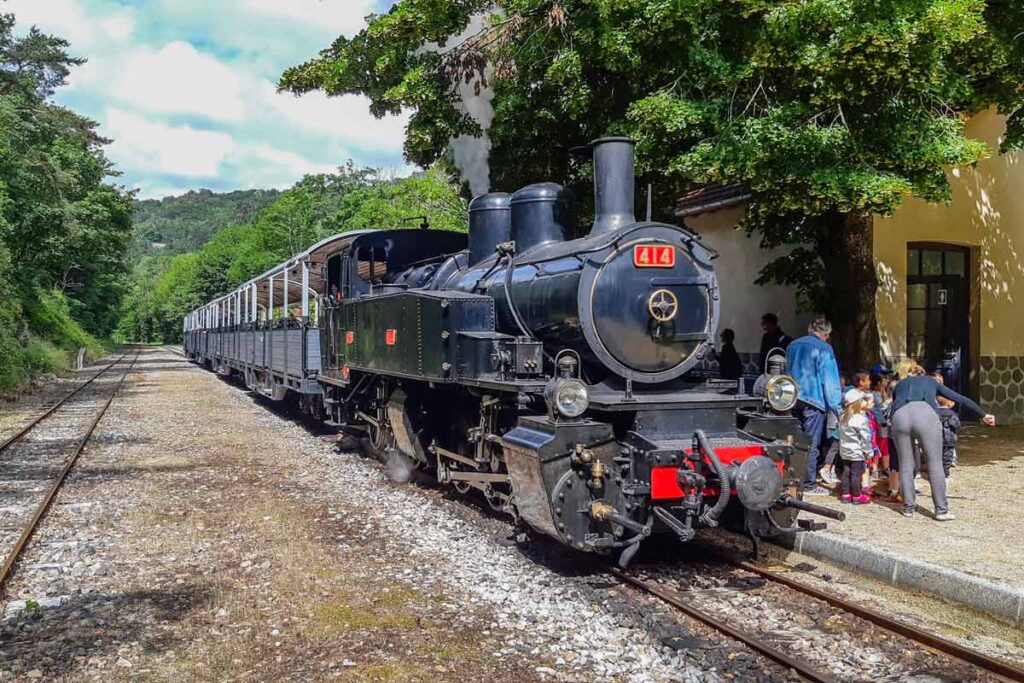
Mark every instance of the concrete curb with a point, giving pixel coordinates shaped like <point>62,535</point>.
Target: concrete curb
<point>924,577</point>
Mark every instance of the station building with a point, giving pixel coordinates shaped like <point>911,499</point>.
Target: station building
<point>951,277</point>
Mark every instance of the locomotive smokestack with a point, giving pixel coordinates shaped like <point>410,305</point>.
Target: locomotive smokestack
<point>613,184</point>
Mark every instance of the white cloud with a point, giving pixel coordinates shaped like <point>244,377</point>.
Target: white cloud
<point>117,26</point>
<point>160,148</point>
<point>70,20</point>
<point>180,79</point>
<point>185,89</point>
<point>347,117</point>
<point>65,18</point>
<point>338,16</point>
<point>286,164</point>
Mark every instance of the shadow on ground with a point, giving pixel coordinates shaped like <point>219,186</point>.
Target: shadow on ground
<point>56,640</point>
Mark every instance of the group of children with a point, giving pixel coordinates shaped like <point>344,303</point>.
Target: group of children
<point>861,448</point>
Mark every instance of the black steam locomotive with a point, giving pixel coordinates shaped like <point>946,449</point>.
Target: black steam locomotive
<point>553,375</point>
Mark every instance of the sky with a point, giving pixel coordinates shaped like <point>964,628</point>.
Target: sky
<point>186,89</point>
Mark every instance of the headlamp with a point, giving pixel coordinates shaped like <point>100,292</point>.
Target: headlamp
<point>567,397</point>
<point>781,393</point>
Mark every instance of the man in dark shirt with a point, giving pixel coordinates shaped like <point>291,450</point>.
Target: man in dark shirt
<point>773,337</point>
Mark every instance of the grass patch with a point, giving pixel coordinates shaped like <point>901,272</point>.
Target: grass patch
<point>349,612</point>
<point>389,672</point>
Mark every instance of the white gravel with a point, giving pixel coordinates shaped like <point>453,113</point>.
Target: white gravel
<point>540,609</point>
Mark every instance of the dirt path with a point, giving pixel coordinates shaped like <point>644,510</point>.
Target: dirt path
<point>193,545</point>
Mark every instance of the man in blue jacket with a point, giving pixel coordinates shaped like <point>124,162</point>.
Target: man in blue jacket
<point>812,363</point>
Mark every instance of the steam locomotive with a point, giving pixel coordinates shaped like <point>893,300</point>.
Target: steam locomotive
<point>554,376</point>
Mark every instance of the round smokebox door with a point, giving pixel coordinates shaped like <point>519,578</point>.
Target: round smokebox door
<point>651,306</point>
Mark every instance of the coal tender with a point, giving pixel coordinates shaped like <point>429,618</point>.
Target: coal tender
<point>556,376</point>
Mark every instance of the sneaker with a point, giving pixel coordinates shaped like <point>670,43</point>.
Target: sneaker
<point>817,491</point>
<point>868,491</point>
<point>908,512</point>
<point>862,499</point>
<point>845,498</point>
<point>945,517</point>
<point>829,477</point>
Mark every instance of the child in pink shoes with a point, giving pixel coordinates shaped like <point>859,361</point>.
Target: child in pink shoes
<point>855,446</point>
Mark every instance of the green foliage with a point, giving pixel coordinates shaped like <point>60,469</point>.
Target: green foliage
<point>822,107</point>
<point>63,228</point>
<point>164,288</point>
<point>175,225</point>
<point>404,202</point>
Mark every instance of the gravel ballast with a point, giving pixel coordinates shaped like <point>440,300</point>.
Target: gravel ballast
<point>205,537</point>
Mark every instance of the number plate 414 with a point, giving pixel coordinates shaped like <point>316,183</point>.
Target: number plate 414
<point>654,256</point>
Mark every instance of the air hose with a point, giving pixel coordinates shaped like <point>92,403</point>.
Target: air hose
<point>711,515</point>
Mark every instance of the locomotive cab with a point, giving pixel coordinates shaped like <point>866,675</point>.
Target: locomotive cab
<point>382,261</point>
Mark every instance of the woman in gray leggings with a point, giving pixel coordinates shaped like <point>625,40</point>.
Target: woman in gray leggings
<point>914,417</point>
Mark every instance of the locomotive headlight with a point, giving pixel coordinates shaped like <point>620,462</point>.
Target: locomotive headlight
<point>781,393</point>
<point>567,397</point>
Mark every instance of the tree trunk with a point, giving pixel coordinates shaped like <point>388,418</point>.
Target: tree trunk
<point>845,245</point>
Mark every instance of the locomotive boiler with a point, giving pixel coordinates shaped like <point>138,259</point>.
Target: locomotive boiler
<point>554,376</point>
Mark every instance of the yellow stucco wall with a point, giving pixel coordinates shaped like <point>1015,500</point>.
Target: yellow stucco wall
<point>987,213</point>
<point>739,262</point>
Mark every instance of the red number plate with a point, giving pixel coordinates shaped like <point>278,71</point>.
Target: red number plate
<point>654,256</point>
<point>350,337</point>
<point>390,337</point>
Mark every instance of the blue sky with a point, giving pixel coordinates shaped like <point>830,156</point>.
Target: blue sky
<point>186,89</point>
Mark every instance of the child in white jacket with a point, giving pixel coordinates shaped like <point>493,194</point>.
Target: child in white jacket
<point>854,445</point>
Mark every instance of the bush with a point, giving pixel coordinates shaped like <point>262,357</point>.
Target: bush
<point>38,334</point>
<point>41,356</point>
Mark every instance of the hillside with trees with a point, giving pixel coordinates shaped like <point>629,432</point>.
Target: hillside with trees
<point>164,288</point>
<point>174,225</point>
<point>65,226</point>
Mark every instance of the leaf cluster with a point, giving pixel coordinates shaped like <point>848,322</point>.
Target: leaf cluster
<point>821,107</point>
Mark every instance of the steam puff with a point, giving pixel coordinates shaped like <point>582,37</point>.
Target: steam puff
<point>472,158</point>
<point>472,154</point>
<point>398,467</point>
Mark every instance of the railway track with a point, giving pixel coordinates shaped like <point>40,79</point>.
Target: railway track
<point>754,642</point>
<point>37,459</point>
<point>42,416</point>
<point>806,669</point>
<point>929,640</point>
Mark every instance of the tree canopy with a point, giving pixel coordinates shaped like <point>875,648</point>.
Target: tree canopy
<point>63,226</point>
<point>825,109</point>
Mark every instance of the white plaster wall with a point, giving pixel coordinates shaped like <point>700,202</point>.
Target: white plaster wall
<point>737,266</point>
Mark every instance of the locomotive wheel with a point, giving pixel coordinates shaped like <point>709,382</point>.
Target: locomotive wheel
<point>382,439</point>
<point>496,499</point>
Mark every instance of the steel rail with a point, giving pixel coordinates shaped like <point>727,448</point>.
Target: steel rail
<point>26,535</point>
<point>750,640</point>
<point>49,411</point>
<point>931,640</point>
